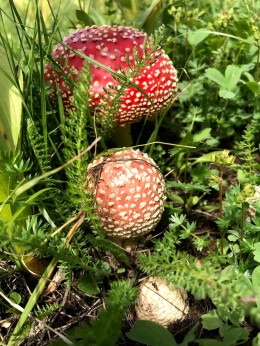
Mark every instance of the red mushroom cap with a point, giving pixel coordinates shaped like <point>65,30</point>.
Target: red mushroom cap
<point>129,193</point>
<point>113,46</point>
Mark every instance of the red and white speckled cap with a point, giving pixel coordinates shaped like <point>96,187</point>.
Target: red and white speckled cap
<point>128,191</point>
<point>114,47</point>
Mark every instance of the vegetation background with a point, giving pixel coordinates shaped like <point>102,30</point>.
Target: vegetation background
<point>61,280</point>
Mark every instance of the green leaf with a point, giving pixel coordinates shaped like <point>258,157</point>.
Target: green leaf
<point>84,18</point>
<point>88,284</point>
<point>10,124</point>
<point>207,157</point>
<point>211,320</point>
<point>210,342</point>
<point>232,238</point>
<point>151,333</point>
<point>202,135</point>
<point>15,297</point>
<point>226,94</point>
<point>256,282</point>
<point>254,87</point>
<point>216,76</point>
<point>10,106</point>
<point>190,336</point>
<point>197,36</point>
<point>256,340</point>
<point>256,252</point>
<point>5,211</point>
<point>150,17</point>
<point>176,198</point>
<point>231,334</point>
<point>120,270</point>
<point>232,76</point>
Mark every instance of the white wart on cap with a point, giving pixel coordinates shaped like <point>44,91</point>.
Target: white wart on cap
<point>114,47</point>
<point>160,303</point>
<point>128,191</point>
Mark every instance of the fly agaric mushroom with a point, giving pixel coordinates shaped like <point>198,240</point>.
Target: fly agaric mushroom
<point>160,303</point>
<point>128,192</point>
<point>114,46</point>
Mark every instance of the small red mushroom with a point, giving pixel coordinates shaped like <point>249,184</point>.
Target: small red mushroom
<point>128,191</point>
<point>114,46</point>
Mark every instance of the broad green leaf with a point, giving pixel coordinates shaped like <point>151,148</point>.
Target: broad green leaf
<point>84,18</point>
<point>10,124</point>
<point>216,76</point>
<point>197,36</point>
<point>190,336</point>
<point>232,334</point>
<point>254,87</point>
<point>226,94</point>
<point>256,252</point>
<point>232,238</point>
<point>150,17</point>
<point>207,157</point>
<point>232,76</point>
<point>10,106</point>
<point>256,340</point>
<point>256,282</point>
<point>211,320</point>
<point>15,297</point>
<point>88,284</point>
<point>5,212</point>
<point>176,198</point>
<point>202,135</point>
<point>151,333</point>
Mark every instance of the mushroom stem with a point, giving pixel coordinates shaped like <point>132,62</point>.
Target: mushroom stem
<point>122,136</point>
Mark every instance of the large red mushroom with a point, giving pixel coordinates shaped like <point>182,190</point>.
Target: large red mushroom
<point>114,47</point>
<point>128,190</point>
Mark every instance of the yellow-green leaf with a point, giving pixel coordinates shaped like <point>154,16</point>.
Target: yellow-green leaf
<point>10,105</point>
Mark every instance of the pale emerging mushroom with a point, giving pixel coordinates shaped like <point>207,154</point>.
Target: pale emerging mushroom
<point>161,303</point>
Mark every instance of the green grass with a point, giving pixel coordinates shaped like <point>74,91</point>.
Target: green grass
<point>206,145</point>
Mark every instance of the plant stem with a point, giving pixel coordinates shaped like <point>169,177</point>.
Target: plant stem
<point>220,188</point>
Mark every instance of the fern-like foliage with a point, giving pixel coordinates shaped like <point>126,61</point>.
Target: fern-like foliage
<point>46,310</point>
<point>74,129</point>
<point>106,329</point>
<point>248,150</point>
<point>13,164</point>
<point>29,235</point>
<point>34,237</point>
<point>38,146</point>
<point>187,187</point>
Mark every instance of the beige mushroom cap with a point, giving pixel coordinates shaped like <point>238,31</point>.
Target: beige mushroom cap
<point>159,303</point>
